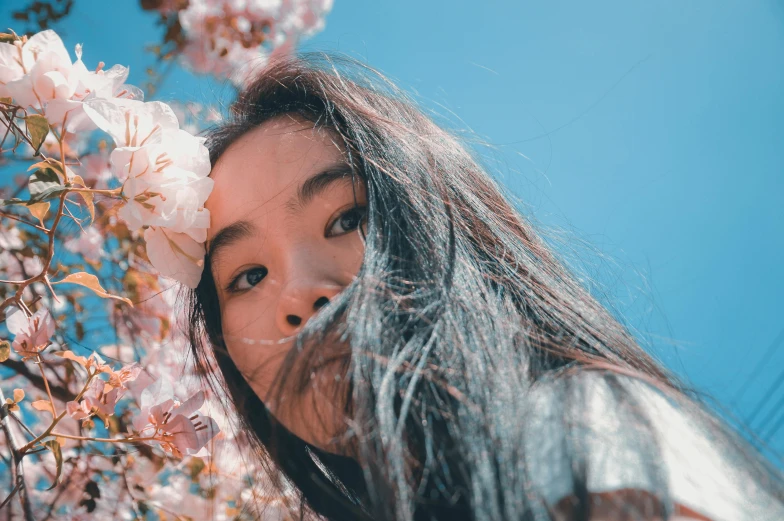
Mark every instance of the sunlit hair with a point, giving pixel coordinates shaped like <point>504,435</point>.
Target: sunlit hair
<point>458,316</point>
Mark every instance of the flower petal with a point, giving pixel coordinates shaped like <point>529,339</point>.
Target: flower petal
<point>175,255</point>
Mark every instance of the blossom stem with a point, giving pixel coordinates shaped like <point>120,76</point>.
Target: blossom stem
<point>112,193</point>
<point>56,419</point>
<point>102,440</point>
<point>46,384</point>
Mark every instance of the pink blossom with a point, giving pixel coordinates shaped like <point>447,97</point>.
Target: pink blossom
<point>17,61</point>
<point>99,399</point>
<point>125,376</point>
<point>176,426</point>
<point>228,37</point>
<point>40,74</point>
<point>10,65</point>
<point>10,239</point>
<point>164,171</point>
<point>175,255</point>
<point>96,170</point>
<point>166,185</point>
<point>32,334</point>
<point>89,244</point>
<point>131,123</point>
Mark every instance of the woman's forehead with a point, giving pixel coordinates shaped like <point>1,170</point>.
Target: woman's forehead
<point>267,164</point>
<point>281,140</point>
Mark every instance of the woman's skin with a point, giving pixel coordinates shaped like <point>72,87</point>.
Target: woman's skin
<point>283,242</point>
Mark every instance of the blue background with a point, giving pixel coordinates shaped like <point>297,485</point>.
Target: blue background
<point>644,138</point>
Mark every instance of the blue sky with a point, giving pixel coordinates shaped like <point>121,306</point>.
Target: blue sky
<point>645,136</point>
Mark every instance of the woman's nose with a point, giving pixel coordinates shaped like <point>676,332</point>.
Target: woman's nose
<point>300,300</point>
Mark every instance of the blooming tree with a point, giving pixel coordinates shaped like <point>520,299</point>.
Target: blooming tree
<point>102,414</point>
<point>228,38</point>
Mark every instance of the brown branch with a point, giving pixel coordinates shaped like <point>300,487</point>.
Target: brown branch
<point>17,468</point>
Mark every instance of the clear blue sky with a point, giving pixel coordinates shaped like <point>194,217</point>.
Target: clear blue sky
<point>649,136</point>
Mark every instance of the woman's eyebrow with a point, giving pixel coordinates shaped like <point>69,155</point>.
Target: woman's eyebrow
<point>317,184</point>
<point>228,235</point>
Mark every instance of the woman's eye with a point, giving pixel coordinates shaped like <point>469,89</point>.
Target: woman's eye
<point>347,221</point>
<point>248,279</point>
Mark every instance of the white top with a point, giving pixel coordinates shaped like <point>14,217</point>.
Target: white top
<point>699,470</point>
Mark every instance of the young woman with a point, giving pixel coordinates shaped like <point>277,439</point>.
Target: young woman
<point>403,346</point>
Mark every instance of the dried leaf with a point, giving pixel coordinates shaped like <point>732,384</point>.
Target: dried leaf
<point>87,197</point>
<point>5,350</point>
<point>39,211</point>
<point>54,446</point>
<point>38,128</point>
<point>91,281</point>
<point>43,405</point>
<point>18,395</point>
<point>70,355</point>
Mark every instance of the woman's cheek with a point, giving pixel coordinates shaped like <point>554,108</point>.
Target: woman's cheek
<point>253,344</point>
<point>348,252</point>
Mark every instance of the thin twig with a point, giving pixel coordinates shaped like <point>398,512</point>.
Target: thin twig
<point>46,384</point>
<point>22,425</point>
<point>103,440</point>
<point>24,221</point>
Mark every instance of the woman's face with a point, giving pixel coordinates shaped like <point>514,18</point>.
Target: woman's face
<point>283,242</point>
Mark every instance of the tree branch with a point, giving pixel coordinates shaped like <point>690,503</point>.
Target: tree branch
<point>17,468</point>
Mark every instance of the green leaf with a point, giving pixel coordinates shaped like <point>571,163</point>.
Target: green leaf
<point>54,446</point>
<point>49,193</point>
<point>50,163</point>
<point>9,202</point>
<point>7,101</point>
<point>38,128</point>
<point>44,184</point>
<point>5,350</point>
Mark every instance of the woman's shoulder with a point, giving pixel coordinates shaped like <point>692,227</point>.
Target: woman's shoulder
<point>616,432</point>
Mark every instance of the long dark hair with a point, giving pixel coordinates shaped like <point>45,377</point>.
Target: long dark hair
<point>458,319</point>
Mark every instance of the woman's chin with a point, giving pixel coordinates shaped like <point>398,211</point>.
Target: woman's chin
<point>313,418</point>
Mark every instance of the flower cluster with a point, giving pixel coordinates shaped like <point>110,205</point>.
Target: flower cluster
<point>31,334</point>
<point>175,425</point>
<point>225,37</point>
<point>38,74</point>
<point>163,170</point>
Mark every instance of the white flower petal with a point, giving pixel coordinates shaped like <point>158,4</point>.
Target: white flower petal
<point>10,68</point>
<point>175,255</point>
<point>131,122</point>
<point>44,42</point>
<point>15,320</point>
